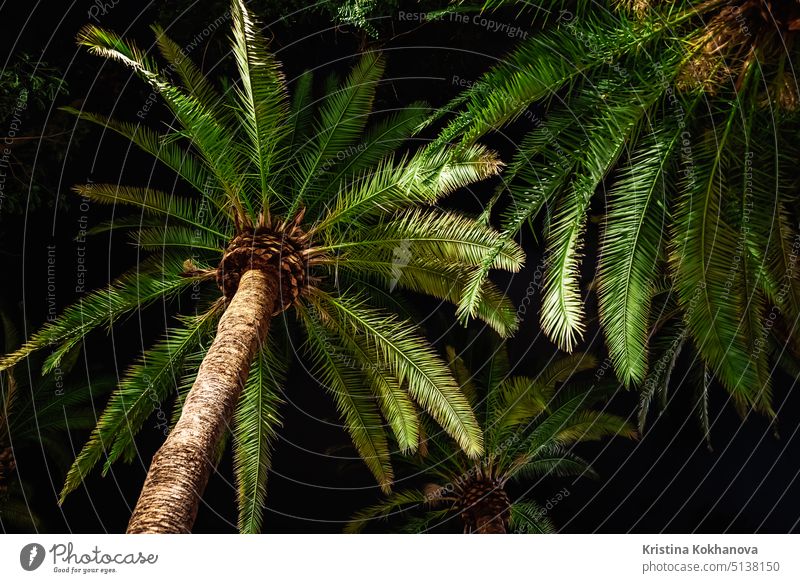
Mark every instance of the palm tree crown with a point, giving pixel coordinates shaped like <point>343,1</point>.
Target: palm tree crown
<point>322,198</point>
<point>530,427</point>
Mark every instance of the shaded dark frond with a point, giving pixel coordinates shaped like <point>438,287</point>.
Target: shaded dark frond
<point>169,206</point>
<point>530,518</point>
<point>700,256</point>
<point>379,142</point>
<point>349,387</point>
<point>181,162</point>
<point>394,503</point>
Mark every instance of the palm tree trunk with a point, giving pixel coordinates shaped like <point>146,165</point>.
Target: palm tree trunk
<point>490,525</point>
<point>182,466</point>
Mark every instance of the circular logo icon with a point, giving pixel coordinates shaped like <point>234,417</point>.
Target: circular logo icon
<point>31,556</point>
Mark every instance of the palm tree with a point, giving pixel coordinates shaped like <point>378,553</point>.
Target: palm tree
<point>295,222</point>
<point>35,413</point>
<point>531,425</point>
<point>683,116</point>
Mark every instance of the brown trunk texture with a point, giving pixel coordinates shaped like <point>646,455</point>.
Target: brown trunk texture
<point>182,466</point>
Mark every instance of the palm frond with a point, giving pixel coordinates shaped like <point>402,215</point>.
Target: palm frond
<point>145,385</point>
<point>158,238</point>
<point>181,162</point>
<point>431,233</point>
<point>379,142</point>
<point>413,361</point>
<point>342,119</point>
<point>530,518</point>
<point>438,279</point>
<point>152,201</point>
<point>347,384</point>
<point>393,503</point>
<point>194,80</point>
<point>545,63</point>
<point>158,278</point>
<point>703,244</point>
<point>255,430</point>
<point>397,184</point>
<point>633,236</point>
<point>562,305</point>
<point>262,95</point>
<point>208,135</point>
<point>559,465</point>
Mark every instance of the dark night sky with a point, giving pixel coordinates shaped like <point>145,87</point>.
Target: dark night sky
<point>669,481</point>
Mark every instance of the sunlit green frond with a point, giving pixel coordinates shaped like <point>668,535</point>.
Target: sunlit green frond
<point>543,64</point>
<point>208,135</point>
<point>193,79</point>
<point>665,350</point>
<point>378,142</point>
<point>145,385</point>
<point>520,399</point>
<point>397,184</point>
<point>156,238</point>
<point>539,192</point>
<point>262,95</point>
<point>633,234</point>
<point>443,235</point>
<point>255,431</point>
<point>413,361</point>
<point>396,407</point>
<point>754,218</point>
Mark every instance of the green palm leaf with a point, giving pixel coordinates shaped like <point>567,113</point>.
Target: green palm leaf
<point>411,359</point>
<point>144,386</point>
<point>255,431</point>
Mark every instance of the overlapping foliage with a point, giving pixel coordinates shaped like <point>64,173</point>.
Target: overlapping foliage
<point>254,155</point>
